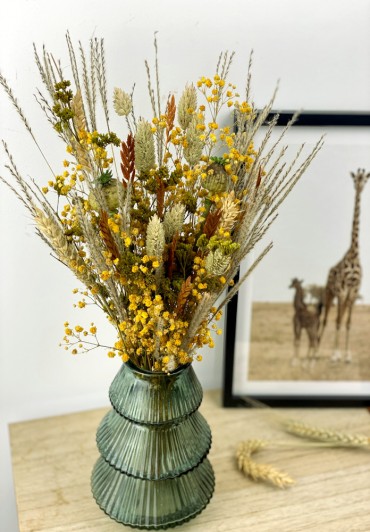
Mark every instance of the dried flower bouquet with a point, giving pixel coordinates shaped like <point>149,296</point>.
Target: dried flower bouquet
<point>155,225</point>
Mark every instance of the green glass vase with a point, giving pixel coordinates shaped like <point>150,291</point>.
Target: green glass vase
<point>153,471</point>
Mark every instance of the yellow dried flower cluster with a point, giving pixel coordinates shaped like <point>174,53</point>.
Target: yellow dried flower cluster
<point>156,221</point>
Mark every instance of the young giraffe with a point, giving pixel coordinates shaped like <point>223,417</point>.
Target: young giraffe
<point>304,318</point>
<point>344,278</point>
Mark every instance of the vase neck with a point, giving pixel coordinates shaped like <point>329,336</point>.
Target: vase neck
<point>146,397</point>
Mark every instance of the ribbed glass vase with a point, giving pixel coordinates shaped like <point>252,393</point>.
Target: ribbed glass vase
<point>153,471</point>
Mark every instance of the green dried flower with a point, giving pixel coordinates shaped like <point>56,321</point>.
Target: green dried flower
<point>155,237</point>
<point>219,160</point>
<point>103,139</point>
<point>190,202</point>
<point>184,256</point>
<point>62,85</point>
<point>122,102</point>
<point>217,263</point>
<point>202,242</point>
<point>61,93</point>
<point>194,147</point>
<point>187,106</point>
<point>142,213</point>
<point>217,179</point>
<point>226,246</point>
<point>109,190</point>
<point>144,147</point>
<point>105,178</point>
<point>175,177</point>
<point>61,108</point>
<point>173,221</point>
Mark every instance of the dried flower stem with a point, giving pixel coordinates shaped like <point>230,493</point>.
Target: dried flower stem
<point>237,286</point>
<point>89,85</point>
<point>72,57</point>
<point>20,112</point>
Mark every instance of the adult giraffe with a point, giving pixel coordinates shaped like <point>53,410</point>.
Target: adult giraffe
<point>344,279</point>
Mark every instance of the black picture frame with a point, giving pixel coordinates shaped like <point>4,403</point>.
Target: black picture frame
<point>314,119</point>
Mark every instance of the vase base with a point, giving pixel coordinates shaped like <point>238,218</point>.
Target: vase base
<point>152,504</point>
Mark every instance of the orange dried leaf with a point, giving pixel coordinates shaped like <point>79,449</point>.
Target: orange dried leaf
<point>259,177</point>
<point>160,197</point>
<point>128,159</point>
<point>183,295</point>
<point>171,256</point>
<point>171,113</point>
<point>211,223</point>
<point>107,235</point>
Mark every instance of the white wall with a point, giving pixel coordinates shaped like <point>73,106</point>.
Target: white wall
<point>320,51</point>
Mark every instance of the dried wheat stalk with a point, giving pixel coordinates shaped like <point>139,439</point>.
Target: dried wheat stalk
<point>335,438</point>
<point>256,471</point>
<point>65,251</point>
<point>77,107</point>
<point>229,212</point>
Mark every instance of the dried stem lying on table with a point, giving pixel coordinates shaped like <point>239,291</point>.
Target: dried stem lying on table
<point>311,432</point>
<point>332,437</point>
<point>316,436</point>
<point>257,471</point>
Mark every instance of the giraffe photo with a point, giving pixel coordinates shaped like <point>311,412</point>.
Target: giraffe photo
<point>308,319</point>
<point>311,296</point>
<point>344,279</point>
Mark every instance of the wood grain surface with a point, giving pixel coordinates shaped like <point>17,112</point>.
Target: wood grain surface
<point>53,458</point>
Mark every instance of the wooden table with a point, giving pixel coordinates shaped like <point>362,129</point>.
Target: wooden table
<point>53,458</point>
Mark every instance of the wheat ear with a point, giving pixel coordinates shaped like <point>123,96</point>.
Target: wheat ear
<point>65,251</point>
<point>335,438</point>
<point>256,471</point>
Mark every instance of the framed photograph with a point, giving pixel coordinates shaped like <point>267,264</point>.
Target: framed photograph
<point>298,332</point>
